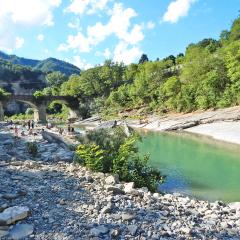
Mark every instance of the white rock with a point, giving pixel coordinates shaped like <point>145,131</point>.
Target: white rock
<point>13,214</point>
<point>3,231</point>
<point>98,231</point>
<point>127,216</point>
<point>156,195</point>
<point>186,230</point>
<point>20,231</point>
<point>112,179</point>
<point>132,229</point>
<point>128,187</point>
<point>234,205</point>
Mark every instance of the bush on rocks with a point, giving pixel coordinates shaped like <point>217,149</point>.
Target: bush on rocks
<point>32,148</point>
<point>91,156</point>
<point>111,151</point>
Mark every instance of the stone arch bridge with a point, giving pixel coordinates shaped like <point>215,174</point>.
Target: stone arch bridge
<point>39,105</point>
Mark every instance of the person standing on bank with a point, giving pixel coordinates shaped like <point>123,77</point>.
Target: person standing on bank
<point>32,124</point>
<point>29,124</point>
<point>69,128</point>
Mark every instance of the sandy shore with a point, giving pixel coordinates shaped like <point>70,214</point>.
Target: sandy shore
<point>222,124</point>
<point>224,131</point>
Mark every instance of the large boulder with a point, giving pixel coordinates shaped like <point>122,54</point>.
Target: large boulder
<point>13,214</point>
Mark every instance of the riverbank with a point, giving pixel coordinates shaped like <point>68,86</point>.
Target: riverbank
<point>221,124</point>
<point>53,198</point>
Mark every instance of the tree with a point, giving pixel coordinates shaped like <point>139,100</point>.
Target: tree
<point>224,36</point>
<point>55,79</point>
<point>235,30</point>
<point>171,59</point>
<point>143,59</point>
<point>3,94</point>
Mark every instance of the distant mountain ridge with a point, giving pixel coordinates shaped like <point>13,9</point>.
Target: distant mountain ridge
<point>46,66</point>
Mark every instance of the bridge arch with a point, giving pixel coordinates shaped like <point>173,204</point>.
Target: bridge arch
<point>40,104</point>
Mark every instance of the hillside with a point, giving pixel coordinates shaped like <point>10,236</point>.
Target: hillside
<point>53,64</point>
<point>20,79</point>
<point>47,65</point>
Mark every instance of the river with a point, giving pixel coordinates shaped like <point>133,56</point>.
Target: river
<point>194,165</point>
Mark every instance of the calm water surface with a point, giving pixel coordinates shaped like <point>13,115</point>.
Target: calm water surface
<point>195,165</point>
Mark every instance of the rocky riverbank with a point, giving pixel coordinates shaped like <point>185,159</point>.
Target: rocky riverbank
<point>49,197</point>
<point>221,124</point>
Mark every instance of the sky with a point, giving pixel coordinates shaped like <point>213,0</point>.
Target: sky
<point>87,32</point>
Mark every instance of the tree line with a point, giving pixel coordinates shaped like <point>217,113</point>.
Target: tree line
<point>209,77</point>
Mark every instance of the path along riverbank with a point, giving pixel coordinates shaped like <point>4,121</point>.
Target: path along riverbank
<point>49,197</point>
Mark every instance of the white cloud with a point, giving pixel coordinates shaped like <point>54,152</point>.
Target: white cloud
<point>119,25</point>
<point>19,14</point>
<point>82,64</point>
<point>122,53</point>
<point>78,42</point>
<point>86,6</point>
<point>150,25</point>
<point>19,42</point>
<point>177,9</point>
<point>40,37</point>
<point>107,53</point>
<point>46,51</point>
<point>8,42</point>
<point>29,12</point>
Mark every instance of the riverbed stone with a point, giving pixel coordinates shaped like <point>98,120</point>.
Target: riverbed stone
<point>4,231</point>
<point>128,216</point>
<point>132,229</point>
<point>13,214</point>
<point>114,190</point>
<point>128,187</point>
<point>97,231</point>
<point>113,179</point>
<point>21,231</point>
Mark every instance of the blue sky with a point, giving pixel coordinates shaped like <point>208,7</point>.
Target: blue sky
<point>86,32</point>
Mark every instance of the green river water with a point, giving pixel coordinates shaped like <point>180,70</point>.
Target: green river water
<point>194,165</point>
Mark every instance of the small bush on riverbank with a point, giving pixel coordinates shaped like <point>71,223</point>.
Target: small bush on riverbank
<point>91,156</point>
<point>32,148</point>
<point>111,151</point>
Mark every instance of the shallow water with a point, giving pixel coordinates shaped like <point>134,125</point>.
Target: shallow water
<point>194,165</point>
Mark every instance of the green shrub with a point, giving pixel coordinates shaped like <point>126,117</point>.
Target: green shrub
<point>3,94</point>
<point>91,156</point>
<point>29,111</point>
<point>19,116</point>
<point>111,151</point>
<point>32,148</point>
<point>134,168</point>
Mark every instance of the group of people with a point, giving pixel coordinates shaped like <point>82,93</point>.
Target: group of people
<point>70,129</point>
<point>30,124</point>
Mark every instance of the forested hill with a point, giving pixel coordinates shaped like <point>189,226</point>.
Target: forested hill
<point>20,79</point>
<point>48,65</point>
<point>53,64</point>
